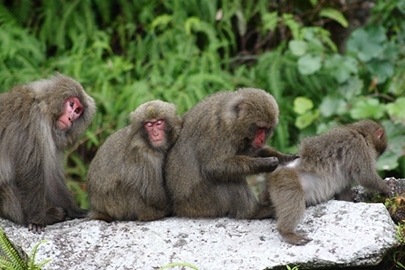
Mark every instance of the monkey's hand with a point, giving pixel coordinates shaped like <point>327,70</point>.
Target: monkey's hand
<point>269,164</point>
<point>36,228</point>
<point>286,158</point>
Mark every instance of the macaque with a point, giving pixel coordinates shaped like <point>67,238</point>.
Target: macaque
<point>125,178</point>
<point>38,121</point>
<point>221,143</point>
<point>329,164</point>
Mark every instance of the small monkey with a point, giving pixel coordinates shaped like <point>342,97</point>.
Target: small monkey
<point>222,142</point>
<point>329,165</point>
<point>125,178</point>
<point>38,121</point>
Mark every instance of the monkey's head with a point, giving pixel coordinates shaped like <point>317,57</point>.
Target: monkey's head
<point>157,123</point>
<point>256,115</point>
<point>67,106</point>
<point>376,132</point>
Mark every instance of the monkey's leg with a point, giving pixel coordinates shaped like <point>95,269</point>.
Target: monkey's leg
<point>288,198</point>
<point>54,215</point>
<point>10,205</point>
<point>346,194</point>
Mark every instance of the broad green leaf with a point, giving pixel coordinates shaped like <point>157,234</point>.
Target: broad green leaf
<point>367,108</point>
<point>351,88</point>
<point>335,15</point>
<point>306,119</point>
<point>366,43</point>
<point>397,110</point>
<point>381,69</point>
<point>297,47</point>
<point>309,64</point>
<point>331,106</point>
<point>302,105</point>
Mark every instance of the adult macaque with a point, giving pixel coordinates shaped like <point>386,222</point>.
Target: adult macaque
<point>125,178</point>
<point>38,121</point>
<point>329,165</point>
<point>223,141</point>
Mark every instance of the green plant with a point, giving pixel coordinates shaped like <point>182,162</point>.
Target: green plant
<point>181,264</point>
<point>11,260</point>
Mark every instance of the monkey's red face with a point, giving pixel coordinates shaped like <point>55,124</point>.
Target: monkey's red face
<point>156,131</point>
<point>72,109</point>
<point>260,137</point>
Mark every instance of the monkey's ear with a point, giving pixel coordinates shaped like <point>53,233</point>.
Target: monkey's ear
<point>379,133</point>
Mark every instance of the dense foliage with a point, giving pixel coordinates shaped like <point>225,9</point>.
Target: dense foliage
<point>325,63</point>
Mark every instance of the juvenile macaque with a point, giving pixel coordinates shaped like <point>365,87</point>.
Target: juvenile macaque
<point>38,121</point>
<point>329,165</point>
<point>125,178</point>
<point>223,141</point>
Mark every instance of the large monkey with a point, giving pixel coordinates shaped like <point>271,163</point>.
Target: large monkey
<point>125,178</point>
<point>329,165</point>
<point>38,121</point>
<point>223,141</point>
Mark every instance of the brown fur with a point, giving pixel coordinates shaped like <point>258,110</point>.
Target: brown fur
<point>125,178</point>
<point>329,165</point>
<point>207,167</point>
<point>32,188</point>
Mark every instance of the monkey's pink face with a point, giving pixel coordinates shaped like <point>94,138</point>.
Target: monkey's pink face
<point>156,131</point>
<point>260,137</point>
<point>72,109</point>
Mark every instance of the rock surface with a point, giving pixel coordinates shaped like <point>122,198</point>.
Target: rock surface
<point>345,234</point>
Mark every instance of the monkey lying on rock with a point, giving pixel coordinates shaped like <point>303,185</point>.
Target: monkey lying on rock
<point>222,142</point>
<point>125,178</point>
<point>329,164</point>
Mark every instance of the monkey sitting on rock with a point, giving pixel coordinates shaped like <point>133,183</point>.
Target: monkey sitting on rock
<point>328,164</point>
<point>125,178</point>
<point>223,140</point>
<point>38,121</point>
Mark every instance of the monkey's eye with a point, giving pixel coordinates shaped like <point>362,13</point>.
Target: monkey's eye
<point>148,124</point>
<point>78,111</point>
<point>71,104</point>
<point>159,122</point>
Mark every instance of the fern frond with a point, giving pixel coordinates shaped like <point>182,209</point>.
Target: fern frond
<point>33,254</point>
<point>11,254</point>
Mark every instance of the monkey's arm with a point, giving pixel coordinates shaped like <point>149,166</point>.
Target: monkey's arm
<point>282,158</point>
<point>372,181</point>
<point>233,167</point>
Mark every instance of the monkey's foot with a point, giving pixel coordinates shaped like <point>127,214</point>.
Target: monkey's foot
<point>295,239</point>
<point>36,228</point>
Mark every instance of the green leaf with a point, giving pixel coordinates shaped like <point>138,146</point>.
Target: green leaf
<point>342,67</point>
<point>366,42</point>
<point>162,20</point>
<point>302,105</point>
<point>192,22</point>
<point>270,20</point>
<point>351,88</point>
<point>309,64</point>
<point>381,69</point>
<point>367,108</point>
<point>306,119</point>
<point>335,15</point>
<point>297,47</point>
<point>396,110</point>
<point>332,105</point>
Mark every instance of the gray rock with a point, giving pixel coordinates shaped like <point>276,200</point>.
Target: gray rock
<point>345,234</point>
